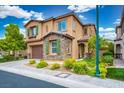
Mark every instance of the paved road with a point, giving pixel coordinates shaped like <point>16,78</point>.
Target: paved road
<point>10,80</point>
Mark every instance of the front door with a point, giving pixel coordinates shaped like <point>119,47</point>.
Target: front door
<point>81,50</point>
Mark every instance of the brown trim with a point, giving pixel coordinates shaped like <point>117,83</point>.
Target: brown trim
<point>82,41</point>
<point>118,39</point>
<point>52,32</point>
<point>31,21</point>
<point>36,40</point>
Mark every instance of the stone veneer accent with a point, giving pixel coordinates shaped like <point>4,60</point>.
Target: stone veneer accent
<point>65,43</point>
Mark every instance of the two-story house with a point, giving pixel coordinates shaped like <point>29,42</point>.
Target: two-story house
<point>119,41</point>
<point>58,38</point>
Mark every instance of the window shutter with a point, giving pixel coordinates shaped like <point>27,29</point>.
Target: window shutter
<point>36,30</point>
<point>27,32</point>
<point>47,47</point>
<point>58,46</point>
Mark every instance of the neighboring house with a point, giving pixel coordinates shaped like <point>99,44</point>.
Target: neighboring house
<point>58,38</point>
<point>119,41</point>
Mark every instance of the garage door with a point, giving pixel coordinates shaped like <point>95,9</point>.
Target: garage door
<point>37,51</point>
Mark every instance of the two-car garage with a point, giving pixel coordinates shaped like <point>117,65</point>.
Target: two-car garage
<point>37,51</point>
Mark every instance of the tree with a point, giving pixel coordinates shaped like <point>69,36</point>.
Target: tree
<point>103,44</point>
<point>14,39</point>
<point>92,44</point>
<point>3,45</point>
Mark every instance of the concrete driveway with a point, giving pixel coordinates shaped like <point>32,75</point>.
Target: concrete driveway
<point>66,79</point>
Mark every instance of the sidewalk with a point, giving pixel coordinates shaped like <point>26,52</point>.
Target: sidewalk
<point>71,80</point>
<point>119,63</point>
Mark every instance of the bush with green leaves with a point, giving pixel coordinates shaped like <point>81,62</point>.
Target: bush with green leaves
<point>91,71</point>
<point>103,70</point>
<point>115,73</point>
<point>32,61</point>
<point>107,59</point>
<point>55,66</point>
<point>68,63</point>
<point>80,67</point>
<point>108,53</point>
<point>42,64</point>
<point>9,57</point>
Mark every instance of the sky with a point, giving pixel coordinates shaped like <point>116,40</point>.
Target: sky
<point>109,16</point>
<point>21,14</point>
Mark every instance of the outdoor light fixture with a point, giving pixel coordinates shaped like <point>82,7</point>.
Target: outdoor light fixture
<point>97,41</point>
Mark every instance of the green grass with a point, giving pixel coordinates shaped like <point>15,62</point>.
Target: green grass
<point>115,73</point>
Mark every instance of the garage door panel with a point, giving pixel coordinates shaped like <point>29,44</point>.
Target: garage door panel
<point>37,51</point>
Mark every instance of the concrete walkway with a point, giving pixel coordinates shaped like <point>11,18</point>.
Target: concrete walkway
<point>71,80</point>
<point>119,63</point>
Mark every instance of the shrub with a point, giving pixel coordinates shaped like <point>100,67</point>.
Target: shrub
<point>79,67</point>
<point>32,61</point>
<point>103,72</point>
<point>108,53</point>
<point>108,59</point>
<point>55,66</point>
<point>9,58</point>
<point>2,60</point>
<point>115,73</point>
<point>42,64</point>
<point>91,71</point>
<point>68,63</point>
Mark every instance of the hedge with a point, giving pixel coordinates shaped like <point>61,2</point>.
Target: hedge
<point>115,73</point>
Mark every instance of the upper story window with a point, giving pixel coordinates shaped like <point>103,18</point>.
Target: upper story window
<point>62,25</point>
<point>32,31</point>
<point>85,31</point>
<point>74,24</point>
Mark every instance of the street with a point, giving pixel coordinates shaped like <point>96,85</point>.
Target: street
<point>10,80</point>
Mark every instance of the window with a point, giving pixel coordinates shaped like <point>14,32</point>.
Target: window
<point>34,30</point>
<point>85,31</point>
<point>54,46</point>
<point>74,25</point>
<point>62,25</point>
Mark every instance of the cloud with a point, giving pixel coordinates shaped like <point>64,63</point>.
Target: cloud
<point>6,25</point>
<point>117,21</point>
<point>107,33</point>
<point>18,12</point>
<point>101,29</point>
<point>36,16</point>
<point>82,17</point>
<point>14,11</point>
<point>81,8</point>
